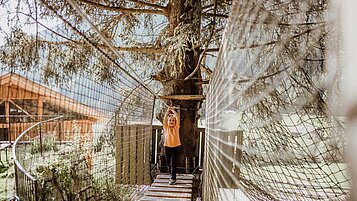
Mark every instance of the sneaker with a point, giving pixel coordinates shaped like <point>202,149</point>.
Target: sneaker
<point>172,182</point>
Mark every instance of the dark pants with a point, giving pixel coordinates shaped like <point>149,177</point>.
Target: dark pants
<point>171,155</point>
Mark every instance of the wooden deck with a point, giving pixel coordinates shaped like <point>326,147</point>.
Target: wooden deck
<point>161,190</point>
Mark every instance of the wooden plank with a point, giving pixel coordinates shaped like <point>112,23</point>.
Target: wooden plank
<point>149,198</point>
<point>171,186</point>
<point>183,97</point>
<point>168,194</point>
<point>132,152</point>
<point>147,153</point>
<point>125,163</point>
<point>14,93</point>
<point>140,156</point>
<point>119,153</point>
<point>177,181</point>
<point>4,90</point>
<point>170,189</point>
<point>202,82</point>
<point>181,177</point>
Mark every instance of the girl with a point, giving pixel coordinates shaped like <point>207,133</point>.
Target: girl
<point>171,140</point>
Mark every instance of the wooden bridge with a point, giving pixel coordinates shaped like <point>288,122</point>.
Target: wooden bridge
<point>161,190</point>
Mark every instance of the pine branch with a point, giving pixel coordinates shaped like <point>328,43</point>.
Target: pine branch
<point>122,9</point>
<point>149,4</point>
<point>148,49</point>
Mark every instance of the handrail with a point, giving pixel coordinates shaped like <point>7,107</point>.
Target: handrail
<point>17,163</point>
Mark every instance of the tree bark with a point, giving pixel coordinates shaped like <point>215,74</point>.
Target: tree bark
<point>184,13</point>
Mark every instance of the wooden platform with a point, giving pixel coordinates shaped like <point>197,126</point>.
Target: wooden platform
<point>161,190</point>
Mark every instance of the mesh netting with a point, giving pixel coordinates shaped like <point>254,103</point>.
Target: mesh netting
<point>270,132</point>
<point>102,143</point>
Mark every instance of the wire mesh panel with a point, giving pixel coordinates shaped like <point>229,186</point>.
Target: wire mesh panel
<point>95,90</point>
<point>271,134</point>
<point>82,143</point>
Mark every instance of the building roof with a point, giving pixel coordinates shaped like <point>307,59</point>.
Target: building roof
<point>14,86</point>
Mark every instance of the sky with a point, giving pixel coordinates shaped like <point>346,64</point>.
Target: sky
<point>30,28</point>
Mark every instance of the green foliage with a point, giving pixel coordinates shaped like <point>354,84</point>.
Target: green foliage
<point>48,143</point>
<point>135,29</point>
<point>68,173</point>
<point>20,50</point>
<point>7,174</point>
<point>63,179</point>
<point>3,167</point>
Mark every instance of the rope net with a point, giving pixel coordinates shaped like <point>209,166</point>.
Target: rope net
<point>270,132</point>
<point>102,143</point>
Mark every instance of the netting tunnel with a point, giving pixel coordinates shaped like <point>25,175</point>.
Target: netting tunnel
<point>270,132</point>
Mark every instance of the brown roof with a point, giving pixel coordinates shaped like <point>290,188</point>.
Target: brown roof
<point>14,86</point>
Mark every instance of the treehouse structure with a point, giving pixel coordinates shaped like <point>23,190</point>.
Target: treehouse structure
<point>24,102</point>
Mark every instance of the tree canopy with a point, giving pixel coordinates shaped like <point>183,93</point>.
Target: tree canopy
<point>148,35</point>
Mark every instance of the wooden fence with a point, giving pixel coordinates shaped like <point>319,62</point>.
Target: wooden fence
<point>63,130</point>
<point>133,154</point>
<point>138,151</point>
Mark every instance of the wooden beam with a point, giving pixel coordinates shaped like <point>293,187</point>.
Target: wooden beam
<point>202,82</point>
<point>22,109</point>
<point>183,97</point>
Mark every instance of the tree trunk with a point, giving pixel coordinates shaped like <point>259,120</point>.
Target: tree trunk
<point>184,18</point>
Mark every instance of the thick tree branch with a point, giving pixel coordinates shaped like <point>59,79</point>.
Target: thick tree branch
<point>149,4</point>
<point>148,49</point>
<point>122,9</point>
<point>255,45</point>
<point>203,55</point>
<point>140,49</point>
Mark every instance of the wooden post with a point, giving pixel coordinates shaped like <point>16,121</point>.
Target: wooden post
<point>40,108</point>
<point>7,121</point>
<point>7,110</point>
